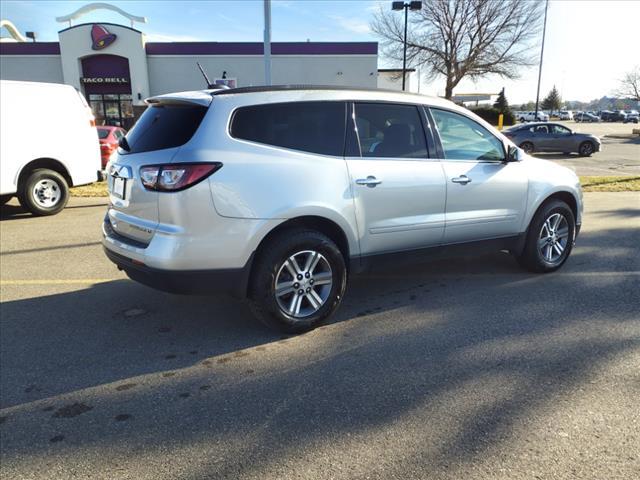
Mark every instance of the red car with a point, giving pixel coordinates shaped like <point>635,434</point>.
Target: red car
<point>109,138</point>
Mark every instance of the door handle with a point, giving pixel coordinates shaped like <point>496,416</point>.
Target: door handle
<point>370,181</point>
<point>462,179</point>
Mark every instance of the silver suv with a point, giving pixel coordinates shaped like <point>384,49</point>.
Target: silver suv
<point>278,194</point>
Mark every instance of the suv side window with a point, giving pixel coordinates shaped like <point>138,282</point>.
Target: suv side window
<point>388,130</point>
<point>316,127</point>
<point>465,139</point>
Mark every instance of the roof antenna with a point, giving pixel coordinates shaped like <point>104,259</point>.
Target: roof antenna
<point>209,84</point>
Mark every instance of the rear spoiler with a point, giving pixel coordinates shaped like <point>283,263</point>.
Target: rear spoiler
<point>201,98</point>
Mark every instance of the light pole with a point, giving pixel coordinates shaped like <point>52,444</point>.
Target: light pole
<point>406,6</point>
<point>544,31</point>
<point>267,42</point>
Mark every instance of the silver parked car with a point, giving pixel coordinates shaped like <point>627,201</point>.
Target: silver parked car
<point>280,194</point>
<point>552,137</point>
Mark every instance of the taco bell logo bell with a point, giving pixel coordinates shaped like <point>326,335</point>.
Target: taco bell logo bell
<point>101,37</point>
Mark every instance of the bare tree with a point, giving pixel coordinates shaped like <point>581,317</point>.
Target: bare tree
<point>464,38</point>
<point>630,85</point>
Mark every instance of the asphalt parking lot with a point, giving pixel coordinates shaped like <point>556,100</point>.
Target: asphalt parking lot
<point>620,154</point>
<point>463,369</point>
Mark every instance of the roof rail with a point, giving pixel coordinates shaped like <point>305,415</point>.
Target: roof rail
<point>279,88</point>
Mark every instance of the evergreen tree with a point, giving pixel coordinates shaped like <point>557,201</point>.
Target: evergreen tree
<point>552,101</point>
<point>501,103</point>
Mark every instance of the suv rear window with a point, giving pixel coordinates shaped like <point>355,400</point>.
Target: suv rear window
<point>103,133</point>
<point>164,126</point>
<point>316,127</point>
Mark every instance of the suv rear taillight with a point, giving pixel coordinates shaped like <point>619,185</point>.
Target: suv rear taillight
<point>175,177</point>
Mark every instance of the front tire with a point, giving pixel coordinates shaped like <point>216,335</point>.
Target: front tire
<point>586,149</point>
<point>298,281</point>
<point>549,238</point>
<point>44,192</point>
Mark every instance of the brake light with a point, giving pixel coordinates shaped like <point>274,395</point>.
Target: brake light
<point>175,177</point>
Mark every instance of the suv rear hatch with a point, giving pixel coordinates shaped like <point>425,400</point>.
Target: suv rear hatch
<point>168,123</point>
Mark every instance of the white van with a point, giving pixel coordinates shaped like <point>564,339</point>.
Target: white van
<point>48,143</point>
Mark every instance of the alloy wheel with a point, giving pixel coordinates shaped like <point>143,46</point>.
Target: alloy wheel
<point>303,283</point>
<point>586,148</point>
<point>553,238</point>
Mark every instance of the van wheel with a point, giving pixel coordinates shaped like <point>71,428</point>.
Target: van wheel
<point>549,238</point>
<point>5,198</point>
<point>298,281</point>
<point>45,192</point>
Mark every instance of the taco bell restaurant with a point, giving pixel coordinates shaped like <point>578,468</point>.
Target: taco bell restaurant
<point>116,68</point>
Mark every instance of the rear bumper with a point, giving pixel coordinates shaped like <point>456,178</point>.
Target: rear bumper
<point>193,282</point>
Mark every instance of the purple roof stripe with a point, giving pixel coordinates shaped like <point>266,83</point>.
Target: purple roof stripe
<point>29,48</point>
<point>256,48</point>
<point>213,48</point>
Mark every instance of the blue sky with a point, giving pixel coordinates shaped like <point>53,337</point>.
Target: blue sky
<point>210,20</point>
<point>590,44</point>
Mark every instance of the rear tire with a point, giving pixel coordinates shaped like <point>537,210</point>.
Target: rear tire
<point>549,244</point>
<point>527,147</point>
<point>301,302</point>
<point>44,192</point>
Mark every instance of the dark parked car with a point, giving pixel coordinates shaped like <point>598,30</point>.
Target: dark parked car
<point>618,116</point>
<point>604,115</point>
<point>586,117</point>
<point>552,137</point>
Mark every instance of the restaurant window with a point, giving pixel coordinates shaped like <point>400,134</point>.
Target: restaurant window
<point>115,109</point>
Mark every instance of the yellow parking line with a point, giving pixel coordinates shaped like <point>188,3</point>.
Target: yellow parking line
<point>77,281</point>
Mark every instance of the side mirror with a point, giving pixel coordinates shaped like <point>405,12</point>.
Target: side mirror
<point>514,154</point>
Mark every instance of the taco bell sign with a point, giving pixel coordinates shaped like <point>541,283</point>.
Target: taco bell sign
<point>101,37</point>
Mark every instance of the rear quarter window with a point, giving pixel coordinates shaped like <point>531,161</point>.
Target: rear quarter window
<point>315,127</point>
<point>164,126</point>
<point>103,133</point>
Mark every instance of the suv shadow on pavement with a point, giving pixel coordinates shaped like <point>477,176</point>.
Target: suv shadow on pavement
<point>13,210</point>
<point>458,353</point>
